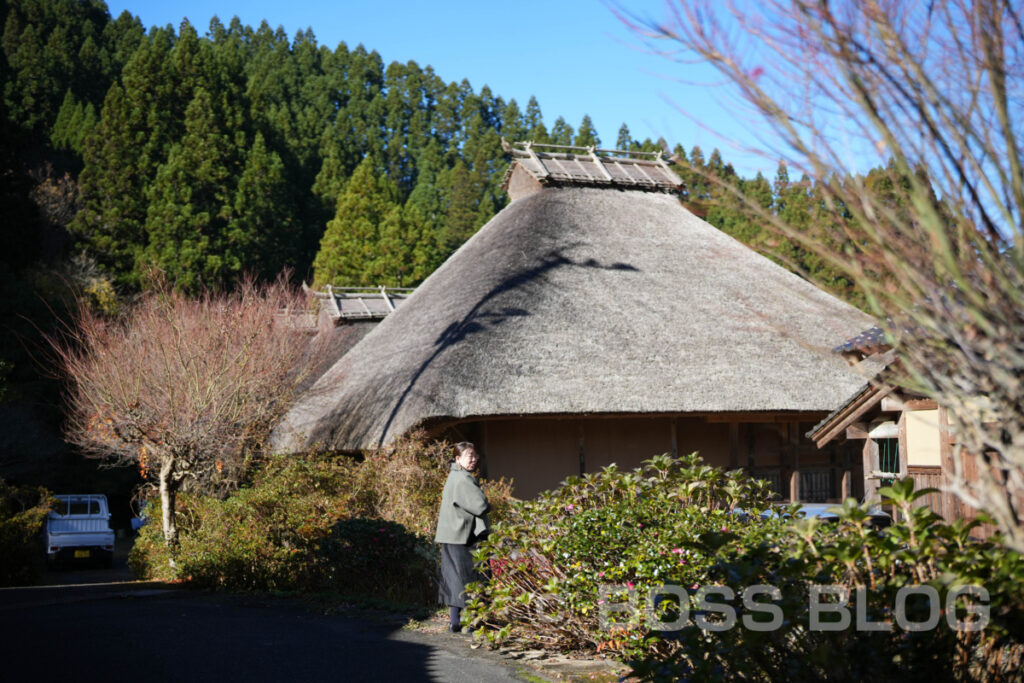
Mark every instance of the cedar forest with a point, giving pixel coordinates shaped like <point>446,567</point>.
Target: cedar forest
<point>210,156</point>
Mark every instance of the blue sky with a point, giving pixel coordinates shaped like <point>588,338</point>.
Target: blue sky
<point>574,55</point>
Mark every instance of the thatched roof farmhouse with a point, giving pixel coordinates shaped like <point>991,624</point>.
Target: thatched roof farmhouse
<point>596,320</point>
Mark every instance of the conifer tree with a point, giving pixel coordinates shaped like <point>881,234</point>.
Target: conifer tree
<point>624,141</point>
<point>460,202</point>
<point>513,125</point>
<point>75,121</point>
<point>394,262</point>
<point>586,135</point>
<point>261,235</point>
<point>191,204</point>
<point>534,122</point>
<point>350,245</point>
<point>138,123</point>
<point>561,132</point>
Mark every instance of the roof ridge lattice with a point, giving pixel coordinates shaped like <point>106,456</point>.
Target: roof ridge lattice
<point>568,165</point>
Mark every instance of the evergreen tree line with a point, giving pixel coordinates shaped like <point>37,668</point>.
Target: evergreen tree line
<point>211,155</point>
<point>242,150</point>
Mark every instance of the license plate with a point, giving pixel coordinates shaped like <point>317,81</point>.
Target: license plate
<point>81,554</point>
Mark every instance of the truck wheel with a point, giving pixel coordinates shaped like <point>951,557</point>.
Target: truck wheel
<point>108,560</point>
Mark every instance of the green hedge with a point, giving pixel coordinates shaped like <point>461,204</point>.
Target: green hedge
<point>23,511</point>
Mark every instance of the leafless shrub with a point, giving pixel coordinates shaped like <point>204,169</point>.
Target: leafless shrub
<point>185,389</point>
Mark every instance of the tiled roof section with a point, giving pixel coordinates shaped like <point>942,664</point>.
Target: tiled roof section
<point>588,166</point>
<point>867,341</point>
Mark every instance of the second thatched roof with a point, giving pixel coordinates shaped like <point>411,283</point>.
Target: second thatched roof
<point>577,300</point>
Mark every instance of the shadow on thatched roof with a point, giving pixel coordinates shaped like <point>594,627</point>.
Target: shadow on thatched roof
<point>587,301</point>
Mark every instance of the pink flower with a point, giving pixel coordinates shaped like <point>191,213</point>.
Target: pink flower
<point>600,573</point>
<point>569,507</point>
<point>600,602</point>
<point>629,584</point>
<point>677,551</point>
<point>725,528</point>
<point>693,587</point>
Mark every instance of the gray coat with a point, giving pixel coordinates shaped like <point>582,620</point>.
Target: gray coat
<point>464,508</point>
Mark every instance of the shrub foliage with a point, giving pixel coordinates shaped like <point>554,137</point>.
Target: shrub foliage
<point>317,523</point>
<point>658,524</point>
<point>581,551</point>
<point>23,511</point>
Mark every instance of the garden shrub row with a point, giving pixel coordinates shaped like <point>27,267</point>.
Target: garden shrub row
<point>316,523</point>
<point>560,562</point>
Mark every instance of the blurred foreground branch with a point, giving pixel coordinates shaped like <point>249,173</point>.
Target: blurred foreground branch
<point>933,89</point>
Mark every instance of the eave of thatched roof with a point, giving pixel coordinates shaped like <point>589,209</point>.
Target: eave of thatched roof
<point>866,397</point>
<point>587,301</point>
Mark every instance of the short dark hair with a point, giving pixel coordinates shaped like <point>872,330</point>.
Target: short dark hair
<point>463,446</point>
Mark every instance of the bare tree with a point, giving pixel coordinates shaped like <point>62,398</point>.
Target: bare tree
<point>934,89</point>
<point>184,388</point>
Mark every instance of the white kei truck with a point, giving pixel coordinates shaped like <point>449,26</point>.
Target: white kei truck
<point>78,528</point>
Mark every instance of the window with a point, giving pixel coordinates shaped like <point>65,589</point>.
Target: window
<point>888,458</point>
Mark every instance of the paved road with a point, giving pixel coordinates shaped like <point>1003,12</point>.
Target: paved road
<point>149,632</point>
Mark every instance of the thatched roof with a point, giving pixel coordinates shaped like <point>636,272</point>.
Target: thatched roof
<point>577,300</point>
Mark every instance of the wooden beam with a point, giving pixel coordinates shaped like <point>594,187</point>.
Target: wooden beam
<point>837,423</point>
<point>891,404</point>
<point>778,418</point>
<point>858,430</point>
<point>920,404</point>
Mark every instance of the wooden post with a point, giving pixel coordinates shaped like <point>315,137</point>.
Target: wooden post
<point>734,445</point>
<point>950,510</point>
<point>582,450</point>
<point>870,455</point>
<point>674,435</point>
<point>794,451</point>
<point>902,449</point>
<point>847,487</point>
<point>751,447</point>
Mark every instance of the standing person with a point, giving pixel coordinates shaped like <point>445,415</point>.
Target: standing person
<point>461,524</point>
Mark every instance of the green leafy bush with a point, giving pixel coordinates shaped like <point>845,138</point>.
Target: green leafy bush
<point>660,524</point>
<point>23,511</point>
<point>921,550</point>
<point>265,537</point>
<point>562,560</point>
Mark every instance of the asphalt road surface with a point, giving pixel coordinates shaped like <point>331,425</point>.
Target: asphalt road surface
<point>144,633</point>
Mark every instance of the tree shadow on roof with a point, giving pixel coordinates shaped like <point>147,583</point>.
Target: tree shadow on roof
<point>479,317</point>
